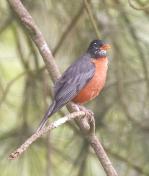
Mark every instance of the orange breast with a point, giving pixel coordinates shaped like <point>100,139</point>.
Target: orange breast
<point>95,85</point>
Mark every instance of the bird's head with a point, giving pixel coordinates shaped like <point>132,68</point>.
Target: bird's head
<point>98,49</point>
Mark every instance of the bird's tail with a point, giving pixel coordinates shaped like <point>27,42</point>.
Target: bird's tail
<point>46,116</point>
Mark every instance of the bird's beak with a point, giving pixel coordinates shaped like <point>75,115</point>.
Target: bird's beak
<point>105,47</point>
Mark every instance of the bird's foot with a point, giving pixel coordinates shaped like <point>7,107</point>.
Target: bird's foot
<point>89,115</point>
<point>88,112</point>
<point>88,119</point>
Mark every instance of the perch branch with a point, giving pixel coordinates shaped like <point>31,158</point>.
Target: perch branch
<point>36,135</point>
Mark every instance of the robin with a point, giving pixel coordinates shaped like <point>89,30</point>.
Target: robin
<point>82,81</point>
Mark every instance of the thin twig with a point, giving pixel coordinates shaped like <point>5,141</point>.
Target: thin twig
<point>6,90</point>
<point>38,134</point>
<point>91,16</point>
<point>138,8</point>
<point>73,22</point>
<point>5,23</point>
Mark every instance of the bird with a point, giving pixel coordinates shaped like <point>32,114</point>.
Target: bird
<point>82,81</point>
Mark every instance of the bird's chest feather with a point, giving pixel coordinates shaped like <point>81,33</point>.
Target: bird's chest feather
<point>95,85</point>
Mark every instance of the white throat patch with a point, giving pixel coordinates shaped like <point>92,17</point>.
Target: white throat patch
<point>103,52</point>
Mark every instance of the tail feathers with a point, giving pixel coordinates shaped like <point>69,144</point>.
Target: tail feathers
<point>46,116</point>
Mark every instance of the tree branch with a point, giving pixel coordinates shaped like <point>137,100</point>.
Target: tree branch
<point>87,126</point>
<point>102,156</point>
<point>36,36</point>
<point>38,134</point>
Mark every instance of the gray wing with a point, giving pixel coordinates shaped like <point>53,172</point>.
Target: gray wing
<point>69,85</point>
<point>73,80</point>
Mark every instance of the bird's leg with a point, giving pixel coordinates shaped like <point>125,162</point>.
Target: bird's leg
<point>75,106</point>
<point>90,117</point>
<point>88,112</point>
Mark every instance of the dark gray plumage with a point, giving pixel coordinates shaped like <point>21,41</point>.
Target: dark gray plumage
<point>69,84</point>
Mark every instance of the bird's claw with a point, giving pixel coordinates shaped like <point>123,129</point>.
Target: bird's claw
<point>88,112</point>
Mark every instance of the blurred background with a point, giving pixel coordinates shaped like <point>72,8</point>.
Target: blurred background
<point>121,110</point>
